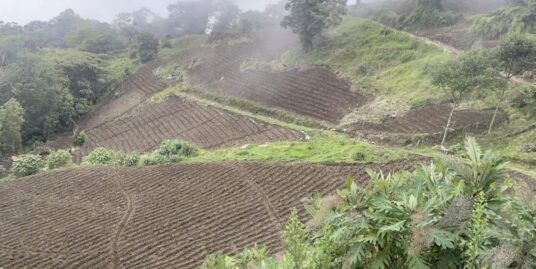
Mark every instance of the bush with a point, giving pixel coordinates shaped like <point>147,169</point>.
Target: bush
<point>80,139</point>
<point>129,160</point>
<point>149,160</point>
<point>452,215</point>
<point>27,165</point>
<point>174,148</point>
<point>101,156</point>
<point>59,159</point>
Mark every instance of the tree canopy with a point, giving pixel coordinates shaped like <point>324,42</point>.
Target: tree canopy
<point>11,121</point>
<point>308,18</point>
<point>459,77</point>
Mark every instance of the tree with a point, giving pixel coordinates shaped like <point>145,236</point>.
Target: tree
<point>145,47</point>
<point>459,77</point>
<point>95,38</point>
<point>11,121</point>
<point>308,18</point>
<point>124,24</point>
<point>42,92</point>
<point>428,5</point>
<point>192,16</point>
<point>276,10</point>
<point>515,54</point>
<point>228,14</point>
<point>27,165</point>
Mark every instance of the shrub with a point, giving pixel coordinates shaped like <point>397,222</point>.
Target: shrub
<point>129,160</point>
<point>59,159</point>
<point>452,215</point>
<point>149,160</point>
<point>27,165</point>
<point>174,148</point>
<point>80,139</point>
<point>101,156</point>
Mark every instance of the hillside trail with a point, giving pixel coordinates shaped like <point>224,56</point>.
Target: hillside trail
<point>452,50</point>
<point>127,216</point>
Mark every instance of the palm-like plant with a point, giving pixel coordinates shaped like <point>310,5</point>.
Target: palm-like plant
<point>459,215</point>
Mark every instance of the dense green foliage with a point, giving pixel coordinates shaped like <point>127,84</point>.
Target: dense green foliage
<point>174,147</point>
<point>59,159</point>
<point>80,139</point>
<point>459,77</point>
<point>27,165</point>
<point>449,215</point>
<point>428,13</point>
<point>145,47</point>
<point>308,18</point>
<point>170,151</point>
<point>101,156</point>
<point>57,70</point>
<point>516,54</point>
<point>519,17</point>
<point>11,122</point>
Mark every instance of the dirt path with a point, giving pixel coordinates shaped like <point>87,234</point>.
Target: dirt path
<point>445,47</point>
<point>452,50</point>
<point>129,212</point>
<point>263,197</point>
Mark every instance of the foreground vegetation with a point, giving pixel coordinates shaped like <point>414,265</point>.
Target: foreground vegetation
<point>447,215</point>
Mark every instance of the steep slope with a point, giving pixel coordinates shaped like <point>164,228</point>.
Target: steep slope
<point>158,217</point>
<point>314,92</point>
<point>143,129</point>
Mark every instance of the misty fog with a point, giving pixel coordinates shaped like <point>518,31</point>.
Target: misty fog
<point>24,11</point>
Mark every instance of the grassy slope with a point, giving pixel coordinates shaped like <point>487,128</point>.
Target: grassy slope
<point>389,63</point>
<point>393,65</point>
<point>386,62</point>
<point>319,149</point>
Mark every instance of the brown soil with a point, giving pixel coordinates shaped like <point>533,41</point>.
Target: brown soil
<point>158,217</point>
<point>315,92</point>
<point>145,127</point>
<point>136,89</point>
<point>429,120</point>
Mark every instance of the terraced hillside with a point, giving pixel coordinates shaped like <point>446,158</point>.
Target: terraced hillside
<point>428,120</point>
<point>314,92</point>
<point>136,89</point>
<point>159,217</point>
<point>143,129</point>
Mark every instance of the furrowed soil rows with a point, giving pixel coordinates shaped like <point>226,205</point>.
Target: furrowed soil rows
<point>144,128</point>
<point>135,90</point>
<point>429,120</point>
<point>314,92</point>
<point>157,217</point>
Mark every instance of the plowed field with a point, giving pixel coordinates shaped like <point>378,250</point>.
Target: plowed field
<point>314,92</point>
<point>144,128</point>
<point>158,217</point>
<point>136,89</point>
<point>429,120</point>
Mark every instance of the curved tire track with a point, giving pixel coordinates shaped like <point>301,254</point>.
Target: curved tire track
<point>127,215</point>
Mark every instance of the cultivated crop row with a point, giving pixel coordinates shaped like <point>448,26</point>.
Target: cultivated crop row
<point>144,128</point>
<point>156,217</point>
<point>428,120</point>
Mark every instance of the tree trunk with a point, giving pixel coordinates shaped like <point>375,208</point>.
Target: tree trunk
<point>3,61</point>
<point>454,105</point>
<point>495,113</point>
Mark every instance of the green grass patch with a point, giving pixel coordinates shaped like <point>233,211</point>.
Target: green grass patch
<point>182,44</point>
<point>321,149</point>
<point>387,62</point>
<point>186,90</point>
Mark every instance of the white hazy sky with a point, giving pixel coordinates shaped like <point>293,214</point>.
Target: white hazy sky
<point>24,11</point>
